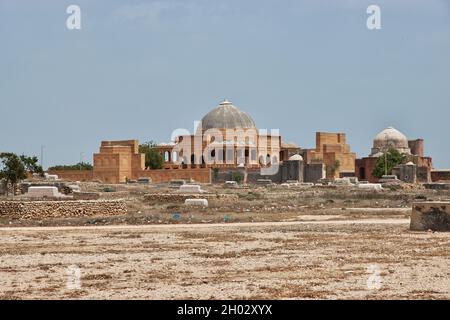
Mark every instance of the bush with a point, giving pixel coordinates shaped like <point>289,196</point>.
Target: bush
<point>238,177</point>
<point>153,159</point>
<point>78,166</point>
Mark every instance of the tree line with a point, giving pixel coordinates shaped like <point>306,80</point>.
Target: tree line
<point>14,168</point>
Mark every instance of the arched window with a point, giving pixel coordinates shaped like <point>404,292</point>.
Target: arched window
<point>174,156</point>
<point>166,156</point>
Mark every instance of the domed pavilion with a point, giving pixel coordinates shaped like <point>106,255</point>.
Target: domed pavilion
<point>226,137</point>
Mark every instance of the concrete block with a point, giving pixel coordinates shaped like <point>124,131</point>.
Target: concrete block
<point>51,176</point>
<point>74,188</point>
<point>433,215</point>
<point>264,181</point>
<point>177,182</point>
<point>231,184</point>
<point>44,191</point>
<point>196,202</point>
<point>190,188</point>
<point>342,181</point>
<point>353,180</point>
<point>370,186</point>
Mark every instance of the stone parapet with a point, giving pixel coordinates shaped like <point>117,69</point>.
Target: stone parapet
<point>59,209</point>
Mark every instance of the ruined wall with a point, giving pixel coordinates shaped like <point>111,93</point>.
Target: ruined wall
<point>364,168</point>
<point>73,175</point>
<point>440,175</point>
<point>423,174</point>
<point>314,172</point>
<point>288,170</point>
<point>202,175</point>
<point>56,209</point>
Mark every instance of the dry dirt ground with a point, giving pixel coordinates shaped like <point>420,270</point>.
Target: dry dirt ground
<point>326,259</point>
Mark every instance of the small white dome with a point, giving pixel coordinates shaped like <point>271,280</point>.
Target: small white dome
<point>296,157</point>
<point>390,138</point>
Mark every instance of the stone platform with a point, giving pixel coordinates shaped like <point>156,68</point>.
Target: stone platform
<point>433,215</point>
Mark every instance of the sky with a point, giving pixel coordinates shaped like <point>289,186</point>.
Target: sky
<point>140,69</point>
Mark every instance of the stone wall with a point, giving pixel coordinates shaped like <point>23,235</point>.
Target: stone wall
<point>440,175</point>
<point>314,172</point>
<point>73,175</point>
<point>288,170</point>
<point>178,198</point>
<point>57,209</point>
<point>202,175</point>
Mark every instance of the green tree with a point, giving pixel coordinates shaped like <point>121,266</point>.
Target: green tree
<point>385,163</point>
<point>153,159</point>
<point>31,164</point>
<point>12,170</point>
<point>15,168</point>
<point>333,168</point>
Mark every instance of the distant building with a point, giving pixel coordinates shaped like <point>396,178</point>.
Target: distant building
<point>334,153</point>
<point>226,138</point>
<point>118,161</point>
<point>412,149</point>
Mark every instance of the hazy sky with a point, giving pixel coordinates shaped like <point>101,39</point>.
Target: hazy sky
<point>139,69</point>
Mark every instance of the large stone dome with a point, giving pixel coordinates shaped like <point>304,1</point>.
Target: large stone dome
<point>227,116</point>
<point>390,138</point>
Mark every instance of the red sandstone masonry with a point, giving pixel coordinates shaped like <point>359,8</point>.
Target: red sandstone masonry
<point>201,175</point>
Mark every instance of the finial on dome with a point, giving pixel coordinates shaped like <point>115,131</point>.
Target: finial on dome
<point>224,102</point>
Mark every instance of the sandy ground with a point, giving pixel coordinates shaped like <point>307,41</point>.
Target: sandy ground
<point>368,259</point>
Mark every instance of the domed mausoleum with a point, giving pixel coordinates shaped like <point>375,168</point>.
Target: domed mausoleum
<point>226,137</point>
<point>412,149</point>
<point>390,138</point>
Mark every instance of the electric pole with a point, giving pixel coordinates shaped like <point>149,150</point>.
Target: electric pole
<point>81,158</point>
<point>42,156</point>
